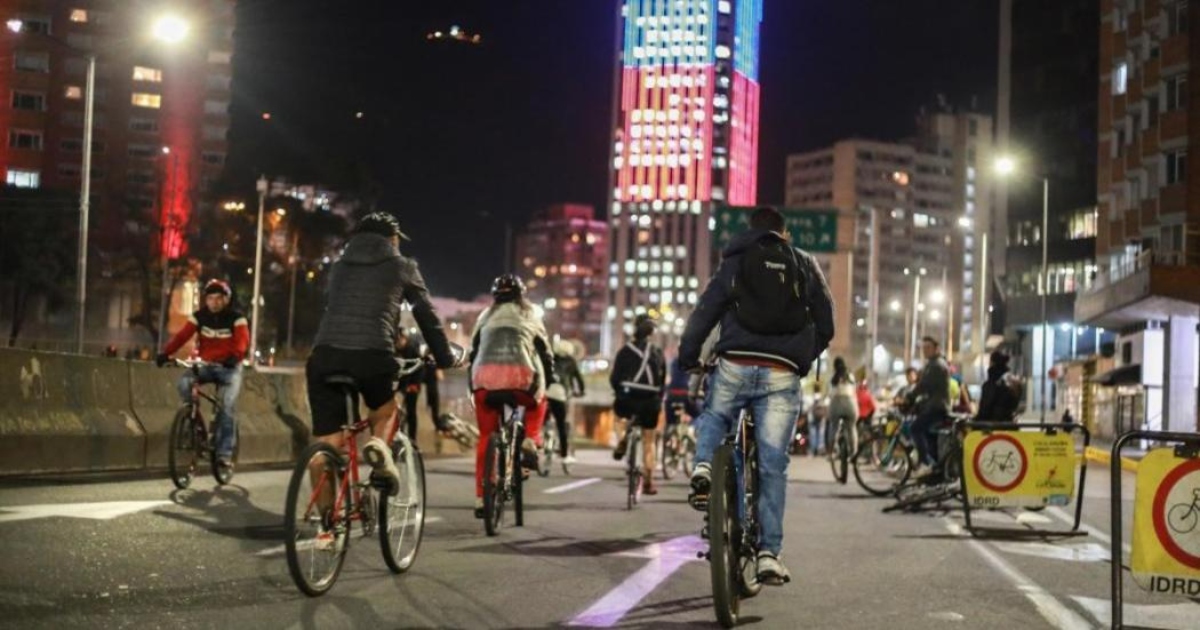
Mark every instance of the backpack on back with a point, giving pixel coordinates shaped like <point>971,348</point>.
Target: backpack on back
<point>769,289</point>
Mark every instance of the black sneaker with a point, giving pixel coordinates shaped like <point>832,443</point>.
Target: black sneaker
<point>619,451</point>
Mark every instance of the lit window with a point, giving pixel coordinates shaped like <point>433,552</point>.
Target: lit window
<point>73,92</point>
<point>1120,78</point>
<point>724,6</point>
<point>145,99</point>
<point>142,73</point>
<point>920,220</point>
<point>79,15</point>
<point>23,179</point>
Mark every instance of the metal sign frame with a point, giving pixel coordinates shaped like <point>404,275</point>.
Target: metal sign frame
<point>1025,532</point>
<point>1187,445</point>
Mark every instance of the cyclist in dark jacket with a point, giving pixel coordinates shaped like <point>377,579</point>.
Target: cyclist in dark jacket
<point>759,372</point>
<point>357,336</point>
<point>1000,398</point>
<point>638,378</point>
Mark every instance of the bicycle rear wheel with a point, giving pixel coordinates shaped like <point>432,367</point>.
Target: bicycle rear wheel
<point>839,458</point>
<point>687,454</point>
<point>315,538</point>
<point>881,466</point>
<point>634,470</point>
<point>183,449</point>
<point>670,454</point>
<point>402,516</point>
<point>546,454</point>
<point>518,480</point>
<point>493,485</point>
<point>723,539</point>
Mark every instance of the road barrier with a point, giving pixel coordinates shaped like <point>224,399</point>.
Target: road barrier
<point>1010,465</point>
<point>1165,553</point>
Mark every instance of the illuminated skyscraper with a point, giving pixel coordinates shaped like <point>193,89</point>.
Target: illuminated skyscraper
<point>685,139</point>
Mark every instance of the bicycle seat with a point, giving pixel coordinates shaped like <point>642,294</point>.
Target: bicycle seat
<point>341,381</point>
<point>500,399</point>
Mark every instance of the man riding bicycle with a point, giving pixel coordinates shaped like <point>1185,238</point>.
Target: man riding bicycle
<point>637,378</point>
<point>224,338</point>
<point>931,399</point>
<point>776,317</point>
<point>357,337</point>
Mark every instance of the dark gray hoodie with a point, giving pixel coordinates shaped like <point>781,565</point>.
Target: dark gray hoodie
<point>366,288</point>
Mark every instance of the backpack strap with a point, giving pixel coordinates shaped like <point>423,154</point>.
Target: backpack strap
<point>643,369</point>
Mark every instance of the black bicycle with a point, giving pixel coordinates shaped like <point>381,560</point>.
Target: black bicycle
<point>733,539</point>
<point>944,485</point>
<point>502,475</point>
<point>678,446</point>
<point>633,466</point>
<point>192,439</point>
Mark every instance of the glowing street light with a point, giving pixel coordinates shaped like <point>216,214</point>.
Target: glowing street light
<point>14,25</point>
<point>170,29</point>
<point>1005,166</point>
<point>938,296</point>
<point>895,306</point>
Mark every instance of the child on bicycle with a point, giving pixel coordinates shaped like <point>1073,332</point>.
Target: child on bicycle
<point>224,338</point>
<point>508,347</point>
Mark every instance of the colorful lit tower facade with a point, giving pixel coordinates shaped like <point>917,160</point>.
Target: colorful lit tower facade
<point>685,139</point>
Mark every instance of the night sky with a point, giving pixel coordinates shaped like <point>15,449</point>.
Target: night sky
<point>457,139</point>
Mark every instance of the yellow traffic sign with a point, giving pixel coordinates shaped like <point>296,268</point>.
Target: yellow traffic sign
<point>1019,468</point>
<point>1166,524</point>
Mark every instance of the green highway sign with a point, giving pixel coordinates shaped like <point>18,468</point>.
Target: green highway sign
<point>812,229</point>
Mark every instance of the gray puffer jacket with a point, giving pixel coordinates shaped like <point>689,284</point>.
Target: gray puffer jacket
<point>366,288</point>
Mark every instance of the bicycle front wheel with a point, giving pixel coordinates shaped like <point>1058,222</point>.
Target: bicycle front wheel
<point>316,539</point>
<point>182,449</point>
<point>493,485</point>
<point>881,466</point>
<point>402,516</point>
<point>723,539</point>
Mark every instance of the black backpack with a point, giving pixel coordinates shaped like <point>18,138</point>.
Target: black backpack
<point>770,291</point>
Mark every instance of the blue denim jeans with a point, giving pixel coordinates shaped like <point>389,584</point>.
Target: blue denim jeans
<point>229,384</point>
<point>923,438</point>
<point>773,396</point>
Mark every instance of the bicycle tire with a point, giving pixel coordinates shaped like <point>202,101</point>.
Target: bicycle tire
<point>546,455</point>
<point>883,475</point>
<point>832,450</point>
<point>633,471</point>
<point>182,439</point>
<point>670,455</point>
<point>412,499</point>
<point>747,575</point>
<point>493,485</point>
<point>688,456</point>
<point>518,480</point>
<point>297,526</point>
<point>723,560</point>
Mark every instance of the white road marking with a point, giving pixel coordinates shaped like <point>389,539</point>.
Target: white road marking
<point>101,511</point>
<point>664,557</point>
<point>1181,616</point>
<point>566,487</point>
<point>1058,513</point>
<point>1052,610</point>
<point>1086,552</point>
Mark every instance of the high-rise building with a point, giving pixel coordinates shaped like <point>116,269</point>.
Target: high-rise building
<point>160,123</point>
<point>906,210</point>
<point>563,257</point>
<point>1148,227</point>
<point>685,138</point>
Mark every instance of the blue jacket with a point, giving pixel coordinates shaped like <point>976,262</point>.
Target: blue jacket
<point>796,351</point>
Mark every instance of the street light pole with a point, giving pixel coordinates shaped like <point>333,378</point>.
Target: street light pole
<point>85,192</point>
<point>1045,287</point>
<point>262,202</point>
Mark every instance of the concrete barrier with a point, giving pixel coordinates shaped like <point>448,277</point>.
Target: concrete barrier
<point>66,413</point>
<point>154,399</point>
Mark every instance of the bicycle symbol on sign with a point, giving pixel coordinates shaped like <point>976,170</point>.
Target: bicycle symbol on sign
<point>1183,517</point>
<point>1003,464</point>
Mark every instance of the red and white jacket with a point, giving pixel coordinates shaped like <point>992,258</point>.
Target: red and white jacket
<point>224,335</point>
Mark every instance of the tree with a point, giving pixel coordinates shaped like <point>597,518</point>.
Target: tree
<point>37,251</point>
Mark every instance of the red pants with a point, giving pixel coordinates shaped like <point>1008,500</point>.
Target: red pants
<point>489,420</point>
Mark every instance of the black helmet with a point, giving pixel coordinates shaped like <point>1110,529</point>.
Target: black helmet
<point>508,287</point>
<point>380,223</point>
<point>217,286</point>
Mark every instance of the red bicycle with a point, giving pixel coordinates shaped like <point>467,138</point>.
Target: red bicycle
<point>191,440</point>
<point>328,494</point>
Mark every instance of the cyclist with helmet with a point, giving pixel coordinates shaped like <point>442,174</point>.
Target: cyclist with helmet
<point>358,335</point>
<point>224,338</point>
<point>638,379</point>
<point>510,352</point>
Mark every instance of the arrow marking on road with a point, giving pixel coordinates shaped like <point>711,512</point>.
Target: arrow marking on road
<point>665,558</point>
<point>1086,552</point>
<point>1181,616</point>
<point>103,511</point>
<point>305,545</point>
<point>571,486</point>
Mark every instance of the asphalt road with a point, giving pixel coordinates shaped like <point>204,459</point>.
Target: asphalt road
<point>129,552</point>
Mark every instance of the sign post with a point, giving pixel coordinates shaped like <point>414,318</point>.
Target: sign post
<point>1008,465</point>
<point>813,230</point>
<point>1166,519</point>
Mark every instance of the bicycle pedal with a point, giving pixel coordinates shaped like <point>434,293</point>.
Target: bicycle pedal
<point>703,555</point>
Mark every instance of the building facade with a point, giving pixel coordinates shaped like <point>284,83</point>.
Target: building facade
<point>563,257</point>
<point>1148,226</point>
<point>685,138</point>
<point>909,210</point>
<point>159,127</point>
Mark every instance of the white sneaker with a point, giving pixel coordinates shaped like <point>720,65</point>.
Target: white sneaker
<point>922,471</point>
<point>379,456</point>
<point>569,459</point>
<point>771,571</point>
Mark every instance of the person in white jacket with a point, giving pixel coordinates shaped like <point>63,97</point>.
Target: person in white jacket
<point>510,352</point>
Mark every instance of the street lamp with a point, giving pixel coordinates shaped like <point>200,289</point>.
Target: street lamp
<point>168,29</point>
<point>1006,166</point>
<point>263,186</point>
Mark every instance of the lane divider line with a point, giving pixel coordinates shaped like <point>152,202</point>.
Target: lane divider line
<point>1101,456</point>
<point>1052,610</point>
<point>567,487</point>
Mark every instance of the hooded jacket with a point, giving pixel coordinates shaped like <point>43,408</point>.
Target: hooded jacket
<point>1000,398</point>
<point>510,350</point>
<point>796,351</point>
<point>367,286</point>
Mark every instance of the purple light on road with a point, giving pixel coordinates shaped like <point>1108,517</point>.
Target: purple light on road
<point>665,558</point>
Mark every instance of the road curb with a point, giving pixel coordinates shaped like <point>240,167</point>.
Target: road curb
<point>1101,456</point>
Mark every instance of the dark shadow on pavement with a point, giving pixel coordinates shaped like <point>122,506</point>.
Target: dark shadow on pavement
<point>227,511</point>
<point>564,547</point>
